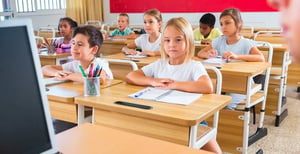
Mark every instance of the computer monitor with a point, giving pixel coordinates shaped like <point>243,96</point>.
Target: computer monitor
<point>25,123</point>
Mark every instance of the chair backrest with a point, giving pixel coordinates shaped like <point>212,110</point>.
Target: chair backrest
<point>216,76</point>
<point>46,32</point>
<point>270,36</point>
<point>267,49</point>
<point>120,68</point>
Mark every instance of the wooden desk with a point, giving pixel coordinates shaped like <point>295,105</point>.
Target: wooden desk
<point>257,29</point>
<point>139,61</point>
<point>53,59</point>
<point>294,74</point>
<point>121,70</point>
<point>61,99</point>
<point>198,47</point>
<point>113,46</point>
<point>164,121</point>
<point>95,139</point>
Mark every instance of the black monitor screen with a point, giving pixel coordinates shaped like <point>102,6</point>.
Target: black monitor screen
<point>23,127</point>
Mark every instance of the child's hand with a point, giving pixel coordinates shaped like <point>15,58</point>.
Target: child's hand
<point>211,53</point>
<point>61,74</point>
<point>129,51</point>
<point>206,42</point>
<point>148,53</point>
<point>162,83</point>
<point>229,55</point>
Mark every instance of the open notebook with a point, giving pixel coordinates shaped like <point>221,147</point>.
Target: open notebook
<point>167,96</point>
<point>215,61</point>
<point>136,56</point>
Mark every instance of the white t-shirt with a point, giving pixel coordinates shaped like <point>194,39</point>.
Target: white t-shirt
<point>242,47</point>
<point>190,71</point>
<point>143,42</point>
<point>73,66</point>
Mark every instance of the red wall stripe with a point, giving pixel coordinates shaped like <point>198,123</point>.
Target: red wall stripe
<point>187,6</point>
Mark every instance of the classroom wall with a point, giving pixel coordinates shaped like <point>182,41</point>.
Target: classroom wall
<point>43,19</point>
<point>258,19</point>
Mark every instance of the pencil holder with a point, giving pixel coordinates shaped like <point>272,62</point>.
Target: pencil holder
<point>91,86</point>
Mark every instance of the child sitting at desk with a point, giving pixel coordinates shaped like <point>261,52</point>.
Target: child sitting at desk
<point>86,43</point>
<point>176,69</point>
<point>66,27</point>
<point>232,46</point>
<point>123,31</point>
<point>206,30</point>
<point>149,42</point>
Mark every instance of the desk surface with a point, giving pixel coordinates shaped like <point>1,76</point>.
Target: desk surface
<point>244,68</point>
<point>188,115</point>
<point>54,56</point>
<point>139,61</point>
<point>65,92</point>
<point>118,41</point>
<point>95,139</point>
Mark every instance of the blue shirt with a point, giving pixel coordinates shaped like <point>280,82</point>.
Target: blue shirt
<point>125,32</point>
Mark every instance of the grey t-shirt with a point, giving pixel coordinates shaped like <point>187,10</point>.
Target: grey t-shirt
<point>242,47</point>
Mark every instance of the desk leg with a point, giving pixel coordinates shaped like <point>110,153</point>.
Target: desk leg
<point>193,136</point>
<point>81,115</point>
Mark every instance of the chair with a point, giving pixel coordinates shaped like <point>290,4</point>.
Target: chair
<point>278,75</point>
<point>46,32</point>
<point>204,134</point>
<point>120,68</point>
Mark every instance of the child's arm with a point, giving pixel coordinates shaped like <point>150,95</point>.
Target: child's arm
<point>202,85</point>
<point>138,78</point>
<point>151,53</point>
<point>52,70</point>
<point>77,77</point>
<point>255,56</point>
<point>207,52</point>
<point>129,49</point>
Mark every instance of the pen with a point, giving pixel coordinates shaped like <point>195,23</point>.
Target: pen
<point>141,93</point>
<point>82,71</point>
<point>96,70</point>
<point>91,70</point>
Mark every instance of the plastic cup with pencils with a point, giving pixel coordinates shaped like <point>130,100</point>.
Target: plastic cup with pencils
<point>91,81</point>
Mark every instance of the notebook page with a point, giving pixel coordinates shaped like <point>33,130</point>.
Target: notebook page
<point>149,93</point>
<point>180,97</point>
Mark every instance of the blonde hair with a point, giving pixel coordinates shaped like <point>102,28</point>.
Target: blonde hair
<point>235,14</point>
<point>183,26</point>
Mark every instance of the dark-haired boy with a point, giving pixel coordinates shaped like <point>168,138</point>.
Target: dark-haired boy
<point>206,31</point>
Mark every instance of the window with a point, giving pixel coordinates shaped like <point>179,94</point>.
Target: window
<point>33,5</point>
<point>10,8</point>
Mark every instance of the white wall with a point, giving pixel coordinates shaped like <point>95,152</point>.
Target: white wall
<point>43,19</point>
<point>258,19</point>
